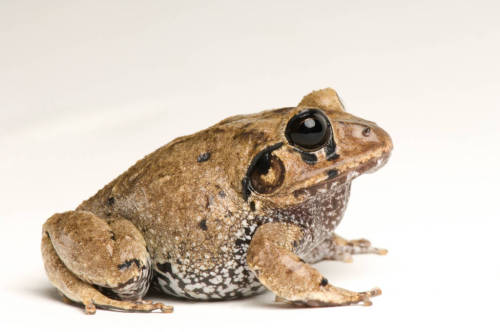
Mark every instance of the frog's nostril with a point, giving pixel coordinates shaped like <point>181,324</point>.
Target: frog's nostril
<point>367,131</point>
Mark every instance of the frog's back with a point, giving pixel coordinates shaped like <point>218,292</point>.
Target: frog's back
<point>187,203</point>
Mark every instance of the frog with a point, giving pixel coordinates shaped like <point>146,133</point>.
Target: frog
<point>244,206</point>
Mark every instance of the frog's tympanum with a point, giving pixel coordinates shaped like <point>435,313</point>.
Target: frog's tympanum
<point>243,206</point>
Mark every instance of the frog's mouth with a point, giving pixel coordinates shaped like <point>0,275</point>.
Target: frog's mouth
<point>372,164</point>
<point>336,179</point>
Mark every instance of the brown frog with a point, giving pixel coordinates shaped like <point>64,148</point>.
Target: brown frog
<point>243,206</point>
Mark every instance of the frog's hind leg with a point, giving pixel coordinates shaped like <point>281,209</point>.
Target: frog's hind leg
<point>86,257</point>
<point>339,249</point>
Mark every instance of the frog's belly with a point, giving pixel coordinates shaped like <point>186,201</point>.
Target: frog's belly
<point>227,281</point>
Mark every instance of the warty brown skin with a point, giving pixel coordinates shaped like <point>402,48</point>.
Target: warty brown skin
<point>223,213</point>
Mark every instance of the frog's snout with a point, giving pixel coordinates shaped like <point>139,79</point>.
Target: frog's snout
<point>363,147</point>
<point>383,149</point>
<point>383,138</point>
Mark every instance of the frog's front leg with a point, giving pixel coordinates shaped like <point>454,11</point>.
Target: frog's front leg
<point>270,256</point>
<point>87,257</point>
<point>339,249</point>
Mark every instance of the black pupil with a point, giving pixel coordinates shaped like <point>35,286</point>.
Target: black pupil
<point>308,130</point>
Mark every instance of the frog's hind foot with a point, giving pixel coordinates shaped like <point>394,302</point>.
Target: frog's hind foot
<point>104,302</point>
<point>97,263</point>
<point>74,290</point>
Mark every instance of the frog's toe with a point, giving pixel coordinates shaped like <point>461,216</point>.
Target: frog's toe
<point>362,243</point>
<point>339,249</point>
<point>339,297</point>
<point>363,246</point>
<point>375,292</point>
<point>365,296</point>
<point>165,308</point>
<point>346,258</point>
<point>101,301</point>
<point>157,305</point>
<point>148,306</point>
<point>89,308</point>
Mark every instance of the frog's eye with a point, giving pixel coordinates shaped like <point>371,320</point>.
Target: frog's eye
<point>308,130</point>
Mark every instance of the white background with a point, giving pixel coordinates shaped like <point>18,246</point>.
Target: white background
<point>89,87</point>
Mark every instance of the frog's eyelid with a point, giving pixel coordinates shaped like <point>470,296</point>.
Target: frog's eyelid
<point>341,102</point>
<point>358,122</point>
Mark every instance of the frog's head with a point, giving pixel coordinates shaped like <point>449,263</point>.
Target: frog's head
<point>314,145</point>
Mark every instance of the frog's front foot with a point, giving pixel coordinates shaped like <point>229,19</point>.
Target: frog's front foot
<point>333,296</point>
<point>343,250</point>
<point>270,256</point>
<point>339,249</point>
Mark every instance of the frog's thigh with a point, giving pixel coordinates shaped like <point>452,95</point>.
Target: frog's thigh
<point>271,258</point>
<point>81,250</point>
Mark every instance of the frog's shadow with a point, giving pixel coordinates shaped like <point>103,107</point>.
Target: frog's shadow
<point>262,300</point>
<point>256,301</point>
<point>51,293</point>
<point>47,292</point>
